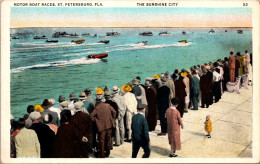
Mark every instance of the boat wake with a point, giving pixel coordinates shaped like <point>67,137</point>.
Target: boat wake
<point>57,64</point>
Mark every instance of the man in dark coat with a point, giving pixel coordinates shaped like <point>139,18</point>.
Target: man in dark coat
<point>82,123</point>
<point>64,146</point>
<point>104,116</point>
<point>46,105</point>
<point>163,103</point>
<point>44,133</point>
<point>210,75</point>
<point>180,93</point>
<point>226,74</point>
<point>195,90</point>
<point>152,105</point>
<point>205,84</point>
<point>140,134</point>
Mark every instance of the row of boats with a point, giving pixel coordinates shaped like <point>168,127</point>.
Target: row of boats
<point>108,34</point>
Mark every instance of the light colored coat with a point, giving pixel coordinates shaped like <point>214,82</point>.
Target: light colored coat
<point>174,121</point>
<point>27,144</point>
<point>131,109</point>
<point>186,81</point>
<point>171,85</point>
<point>143,95</point>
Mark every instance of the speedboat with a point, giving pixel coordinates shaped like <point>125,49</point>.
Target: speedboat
<point>183,41</point>
<point>183,33</point>
<point>104,41</point>
<point>51,41</point>
<point>86,34</point>
<point>78,41</point>
<point>113,34</point>
<point>40,37</point>
<point>211,31</point>
<point>240,31</point>
<point>14,37</point>
<point>142,42</point>
<point>97,56</point>
<point>165,33</point>
<point>148,33</point>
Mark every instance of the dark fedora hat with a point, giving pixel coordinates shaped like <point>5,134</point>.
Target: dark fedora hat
<point>46,103</point>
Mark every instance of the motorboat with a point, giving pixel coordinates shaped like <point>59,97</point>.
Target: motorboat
<point>104,41</point>
<point>113,34</point>
<point>40,37</point>
<point>211,31</point>
<point>97,56</point>
<point>86,34</point>
<point>78,41</point>
<point>164,33</point>
<point>52,41</point>
<point>14,37</point>
<point>148,33</point>
<point>183,41</point>
<point>240,31</point>
<point>183,33</point>
<point>142,42</point>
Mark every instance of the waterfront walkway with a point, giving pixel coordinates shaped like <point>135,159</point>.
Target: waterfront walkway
<point>231,136</point>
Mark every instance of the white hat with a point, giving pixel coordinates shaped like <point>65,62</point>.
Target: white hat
<point>78,105</point>
<point>34,116</point>
<point>116,89</point>
<point>52,101</point>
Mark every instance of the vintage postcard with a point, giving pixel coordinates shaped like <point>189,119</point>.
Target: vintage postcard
<point>114,81</point>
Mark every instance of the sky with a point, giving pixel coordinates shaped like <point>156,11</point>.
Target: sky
<point>129,17</point>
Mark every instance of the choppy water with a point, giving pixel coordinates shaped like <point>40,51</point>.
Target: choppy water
<point>42,70</point>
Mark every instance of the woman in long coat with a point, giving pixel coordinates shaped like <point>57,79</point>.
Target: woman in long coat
<point>180,94</point>
<point>174,122</point>
<point>151,94</point>
<point>64,140</point>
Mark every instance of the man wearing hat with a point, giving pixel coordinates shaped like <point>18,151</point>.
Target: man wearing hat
<point>163,103</point>
<point>88,94</point>
<point>195,90</point>
<point>140,133</point>
<point>205,85</point>
<point>137,90</point>
<point>86,104</point>
<point>120,129</point>
<point>104,117</point>
<point>26,142</point>
<point>131,110</point>
<point>53,109</point>
<point>46,105</point>
<point>44,133</point>
<point>186,81</point>
<point>142,97</point>
<point>99,96</point>
<point>151,94</point>
<point>109,101</point>
<point>73,99</point>
<point>170,84</point>
<point>82,123</point>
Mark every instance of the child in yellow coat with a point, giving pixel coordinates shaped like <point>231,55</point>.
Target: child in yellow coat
<point>208,126</point>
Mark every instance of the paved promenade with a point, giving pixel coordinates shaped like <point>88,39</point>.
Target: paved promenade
<point>231,136</point>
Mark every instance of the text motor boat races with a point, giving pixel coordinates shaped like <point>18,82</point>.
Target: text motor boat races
<point>78,41</point>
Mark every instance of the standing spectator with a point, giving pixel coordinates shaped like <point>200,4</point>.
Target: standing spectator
<point>174,122</point>
<point>104,117</point>
<point>73,99</point>
<point>205,84</point>
<point>18,126</point>
<point>216,84</point>
<point>195,90</point>
<point>163,95</point>
<point>47,119</point>
<point>151,96</point>
<point>88,94</point>
<point>26,142</point>
<point>180,93</point>
<point>232,66</point>
<point>247,61</point>
<point>120,129</point>
<point>28,121</point>
<point>140,134</point>
<point>64,146</point>
<point>56,110</point>
<point>83,126</point>
<point>186,81</point>
<point>237,65</point>
<point>131,108</point>
<point>226,74</point>
<point>44,133</point>
<point>46,105</point>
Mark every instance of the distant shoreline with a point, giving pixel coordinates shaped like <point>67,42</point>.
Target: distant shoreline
<point>131,27</point>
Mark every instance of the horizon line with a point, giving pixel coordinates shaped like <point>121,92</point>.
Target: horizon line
<point>129,27</point>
